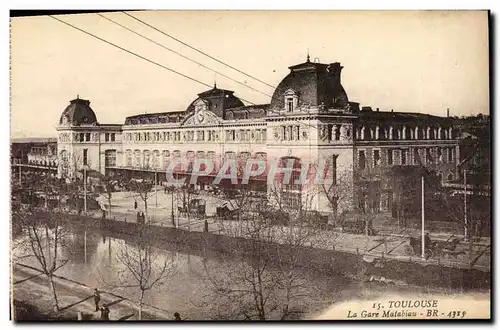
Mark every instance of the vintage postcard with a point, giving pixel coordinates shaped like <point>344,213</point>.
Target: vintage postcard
<point>250,165</point>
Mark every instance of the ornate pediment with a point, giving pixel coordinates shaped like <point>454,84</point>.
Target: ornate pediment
<point>201,118</point>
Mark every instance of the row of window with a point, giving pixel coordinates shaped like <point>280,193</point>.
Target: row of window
<point>402,156</point>
<point>403,133</point>
<point>290,133</point>
<point>43,151</point>
<point>208,135</point>
<point>333,132</point>
<point>146,158</point>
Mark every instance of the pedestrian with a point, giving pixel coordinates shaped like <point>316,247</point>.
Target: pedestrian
<point>97,298</point>
<point>135,205</point>
<point>139,217</point>
<point>177,316</point>
<point>102,313</point>
<point>106,313</point>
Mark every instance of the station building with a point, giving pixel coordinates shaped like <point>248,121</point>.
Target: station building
<point>309,117</point>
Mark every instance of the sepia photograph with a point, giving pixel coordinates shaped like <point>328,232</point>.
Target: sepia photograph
<point>233,165</point>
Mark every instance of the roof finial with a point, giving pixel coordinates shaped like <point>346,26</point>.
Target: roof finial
<point>308,57</point>
<point>77,96</point>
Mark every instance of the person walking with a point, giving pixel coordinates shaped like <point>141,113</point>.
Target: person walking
<point>135,204</point>
<point>177,316</point>
<point>97,298</point>
<point>105,314</point>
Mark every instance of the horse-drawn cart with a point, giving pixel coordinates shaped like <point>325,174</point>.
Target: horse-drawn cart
<point>434,248</point>
<point>196,207</point>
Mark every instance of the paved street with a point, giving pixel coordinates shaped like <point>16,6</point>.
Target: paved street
<point>389,244</point>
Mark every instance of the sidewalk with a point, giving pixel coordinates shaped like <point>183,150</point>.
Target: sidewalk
<point>32,287</point>
<point>390,241</point>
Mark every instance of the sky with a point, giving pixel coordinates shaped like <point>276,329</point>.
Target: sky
<point>421,61</point>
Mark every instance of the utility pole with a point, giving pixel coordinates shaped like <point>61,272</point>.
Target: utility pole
<point>465,204</point>
<point>156,188</point>
<point>423,220</point>
<point>85,246</point>
<point>172,209</point>
<point>85,189</point>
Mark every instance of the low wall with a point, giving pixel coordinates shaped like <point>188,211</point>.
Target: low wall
<point>325,261</point>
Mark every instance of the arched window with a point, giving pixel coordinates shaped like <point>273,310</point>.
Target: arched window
<point>147,158</point>
<point>261,156</point>
<point>230,155</point>
<point>291,100</point>
<point>200,154</point>
<point>156,158</point>
<point>137,156</point>
<point>165,154</point>
<point>128,160</point>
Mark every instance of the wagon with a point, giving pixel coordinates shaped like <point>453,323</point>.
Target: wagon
<point>435,248</point>
<point>228,211</point>
<point>196,207</point>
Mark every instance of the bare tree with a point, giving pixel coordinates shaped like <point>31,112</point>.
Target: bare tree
<point>45,235</point>
<point>143,268</point>
<point>263,282</point>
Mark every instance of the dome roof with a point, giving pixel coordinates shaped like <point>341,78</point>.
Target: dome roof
<point>314,84</point>
<point>78,112</point>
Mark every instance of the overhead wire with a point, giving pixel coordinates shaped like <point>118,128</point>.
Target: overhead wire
<point>181,55</point>
<point>156,63</point>
<point>197,50</point>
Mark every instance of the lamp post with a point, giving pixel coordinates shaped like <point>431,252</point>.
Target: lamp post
<point>156,189</point>
<point>423,220</point>
<point>85,188</point>
<point>465,204</point>
<point>172,209</point>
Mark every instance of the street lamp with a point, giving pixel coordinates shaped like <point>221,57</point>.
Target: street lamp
<point>85,188</point>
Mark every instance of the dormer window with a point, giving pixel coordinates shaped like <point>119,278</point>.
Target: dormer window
<point>291,100</point>
<point>289,104</point>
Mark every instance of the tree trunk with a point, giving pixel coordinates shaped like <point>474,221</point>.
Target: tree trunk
<point>140,305</point>
<point>54,293</point>
<point>109,203</point>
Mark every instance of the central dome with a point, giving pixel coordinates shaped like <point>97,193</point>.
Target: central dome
<point>77,113</point>
<point>217,100</point>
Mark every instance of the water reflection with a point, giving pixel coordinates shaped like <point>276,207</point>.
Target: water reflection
<point>93,260</point>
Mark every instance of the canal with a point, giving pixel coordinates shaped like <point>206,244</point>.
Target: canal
<point>206,287</point>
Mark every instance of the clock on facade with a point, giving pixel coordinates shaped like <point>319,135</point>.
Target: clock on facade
<point>201,116</point>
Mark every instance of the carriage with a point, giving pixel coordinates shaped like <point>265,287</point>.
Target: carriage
<point>196,207</point>
<point>434,248</point>
<point>228,211</point>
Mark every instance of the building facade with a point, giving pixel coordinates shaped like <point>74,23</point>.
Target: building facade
<point>309,117</point>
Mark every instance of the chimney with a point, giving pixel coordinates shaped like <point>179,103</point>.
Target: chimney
<point>377,109</point>
<point>448,112</point>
